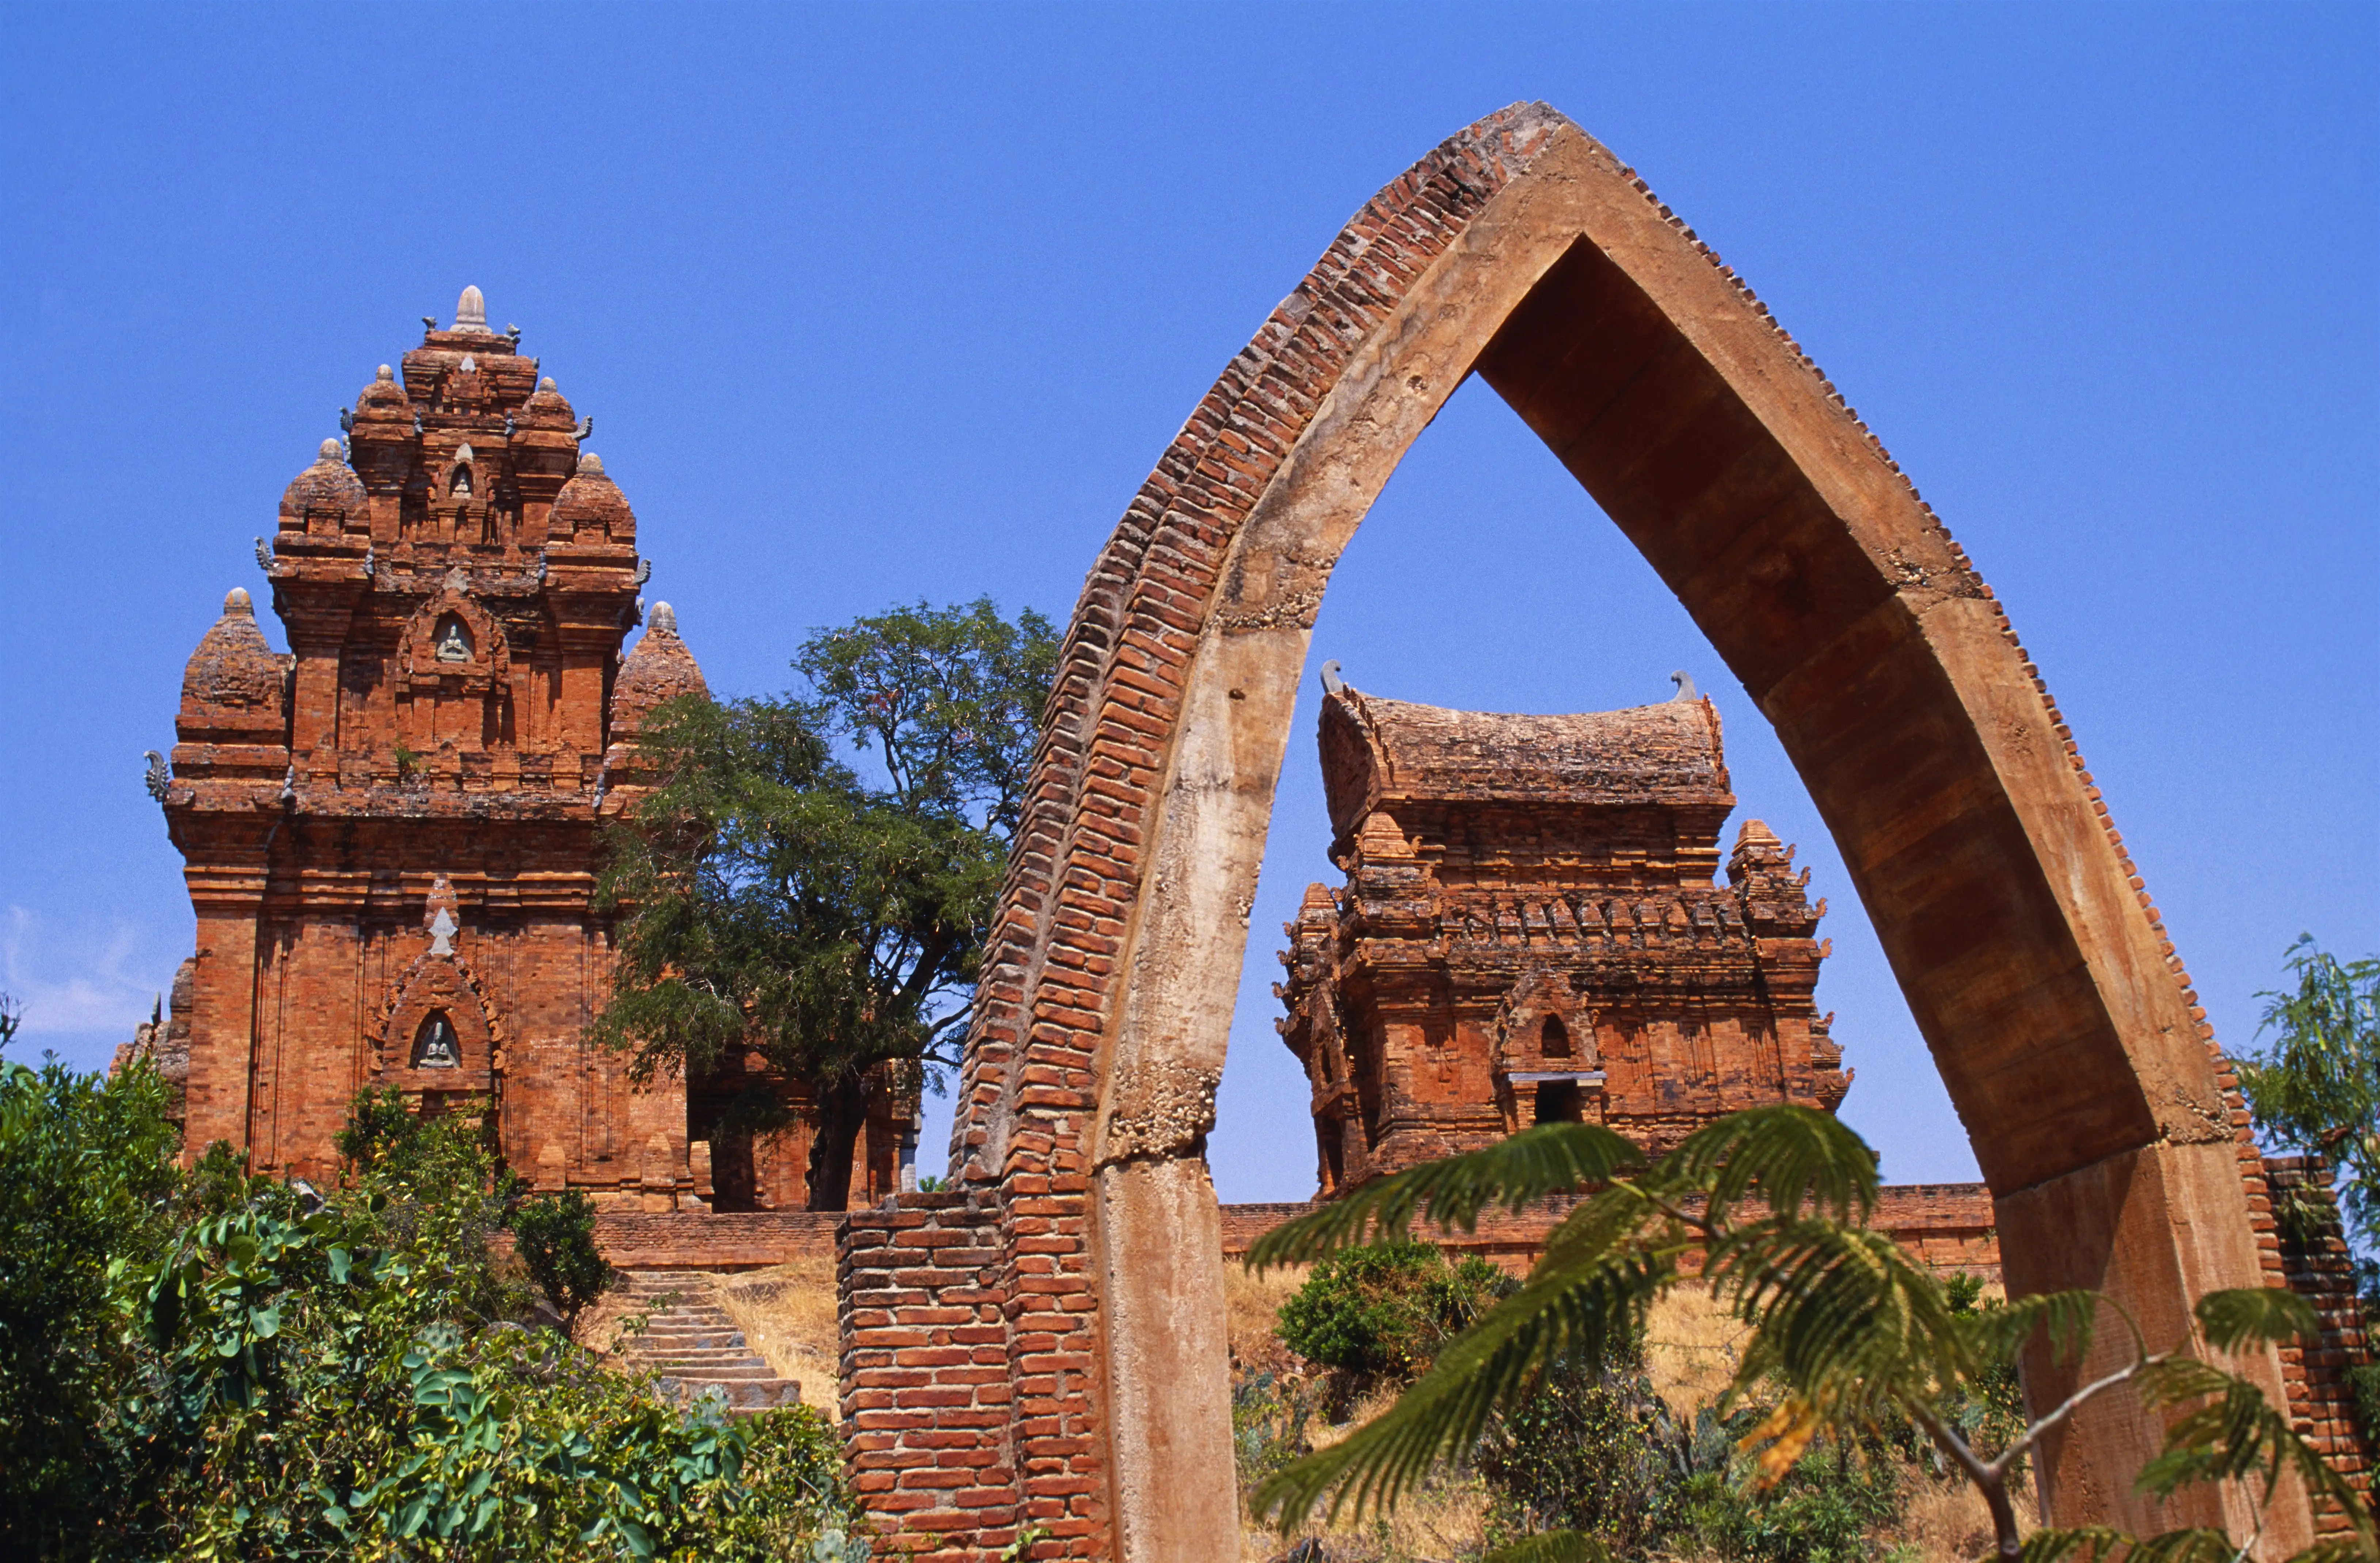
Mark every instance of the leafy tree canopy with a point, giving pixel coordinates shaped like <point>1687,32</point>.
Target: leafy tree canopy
<point>2317,1088</point>
<point>773,899</point>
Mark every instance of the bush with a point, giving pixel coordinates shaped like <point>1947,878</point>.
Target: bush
<point>1822,1513</point>
<point>216,1365</point>
<point>86,1177</point>
<point>1269,1415</point>
<point>556,1239</point>
<point>1594,1450</point>
<point>1382,1312</point>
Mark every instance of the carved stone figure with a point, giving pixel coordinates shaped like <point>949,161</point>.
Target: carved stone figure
<point>435,1049</point>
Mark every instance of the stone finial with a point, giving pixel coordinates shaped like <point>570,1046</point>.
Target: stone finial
<point>546,384</point>
<point>470,363</point>
<point>1685,682</point>
<point>1331,682</point>
<point>385,375</point>
<point>589,464</point>
<point>465,455</point>
<point>664,620</point>
<point>329,454</point>
<point>471,311</point>
<point>235,602</point>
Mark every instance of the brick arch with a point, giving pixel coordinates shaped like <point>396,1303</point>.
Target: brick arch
<point>1524,252</point>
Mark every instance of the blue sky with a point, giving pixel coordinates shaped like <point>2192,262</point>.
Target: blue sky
<point>876,303</point>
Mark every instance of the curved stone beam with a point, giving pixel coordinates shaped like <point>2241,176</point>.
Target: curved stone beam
<point>1524,252</point>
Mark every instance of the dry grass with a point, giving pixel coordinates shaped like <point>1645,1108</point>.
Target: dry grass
<point>1445,1519</point>
<point>1252,1311</point>
<point>1692,1349</point>
<point>787,1312</point>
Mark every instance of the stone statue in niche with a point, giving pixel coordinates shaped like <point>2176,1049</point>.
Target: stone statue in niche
<point>435,1046</point>
<point>453,642</point>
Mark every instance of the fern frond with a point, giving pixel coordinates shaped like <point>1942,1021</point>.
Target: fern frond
<point>1845,1319</point>
<point>2253,1315</point>
<point>2097,1544</point>
<point>1492,1365</point>
<point>1999,1334</point>
<point>1548,1159</point>
<point>1787,1156</point>
<point>1553,1546</point>
<point>2233,1432</point>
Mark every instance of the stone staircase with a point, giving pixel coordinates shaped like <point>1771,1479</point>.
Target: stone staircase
<point>695,1348</point>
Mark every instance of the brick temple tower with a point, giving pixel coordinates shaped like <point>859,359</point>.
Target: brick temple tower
<point>390,833</point>
<point>1531,930</point>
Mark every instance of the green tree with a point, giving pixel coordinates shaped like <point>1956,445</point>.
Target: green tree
<point>1848,1335</point>
<point>2317,1088</point>
<point>772,898</point>
<point>555,1235</point>
<point>86,1181</point>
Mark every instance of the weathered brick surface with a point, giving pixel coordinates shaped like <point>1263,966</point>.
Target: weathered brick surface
<point>1529,931</point>
<point>2318,1267</point>
<point>390,834</point>
<point>452,727</point>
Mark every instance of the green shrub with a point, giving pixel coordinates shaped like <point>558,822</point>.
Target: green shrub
<point>86,1177</point>
<point>1269,1417</point>
<point>1822,1513</point>
<point>1381,1311</point>
<point>555,1235</point>
<point>1591,1451</point>
<point>216,1365</point>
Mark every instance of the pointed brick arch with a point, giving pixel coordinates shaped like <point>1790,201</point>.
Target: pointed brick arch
<point>1524,252</point>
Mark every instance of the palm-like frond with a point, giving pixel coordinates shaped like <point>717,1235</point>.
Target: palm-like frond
<point>1584,1310</point>
<point>1551,1159</point>
<point>1554,1547</point>
<point>2231,1432</point>
<point>2253,1315</point>
<point>1845,1319</point>
<point>1999,1335</point>
<point>1789,1158</point>
<point>2097,1544</point>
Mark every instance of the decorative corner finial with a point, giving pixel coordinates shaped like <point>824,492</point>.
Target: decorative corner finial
<point>471,311</point>
<point>157,779</point>
<point>546,384</point>
<point>329,452</point>
<point>664,620</point>
<point>263,556</point>
<point>1685,682</point>
<point>236,601</point>
<point>644,571</point>
<point>386,375</point>
<point>589,464</point>
<point>1331,683</point>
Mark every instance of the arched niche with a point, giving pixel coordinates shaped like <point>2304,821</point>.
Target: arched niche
<point>1524,252</point>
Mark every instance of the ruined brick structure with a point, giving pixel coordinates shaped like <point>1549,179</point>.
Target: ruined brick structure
<point>1066,1364</point>
<point>1530,932</point>
<point>391,832</point>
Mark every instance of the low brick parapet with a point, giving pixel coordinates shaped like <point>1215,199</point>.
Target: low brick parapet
<point>697,1240</point>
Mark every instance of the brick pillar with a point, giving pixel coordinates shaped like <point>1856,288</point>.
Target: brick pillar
<point>2316,1260</point>
<point>925,1391</point>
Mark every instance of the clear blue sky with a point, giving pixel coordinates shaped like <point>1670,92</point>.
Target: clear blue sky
<point>875,303</point>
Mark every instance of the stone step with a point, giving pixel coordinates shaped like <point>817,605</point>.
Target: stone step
<point>694,1355</point>
<point>752,1396</point>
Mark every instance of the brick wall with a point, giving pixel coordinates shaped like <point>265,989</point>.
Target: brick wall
<point>2316,1259</point>
<point>928,1404</point>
